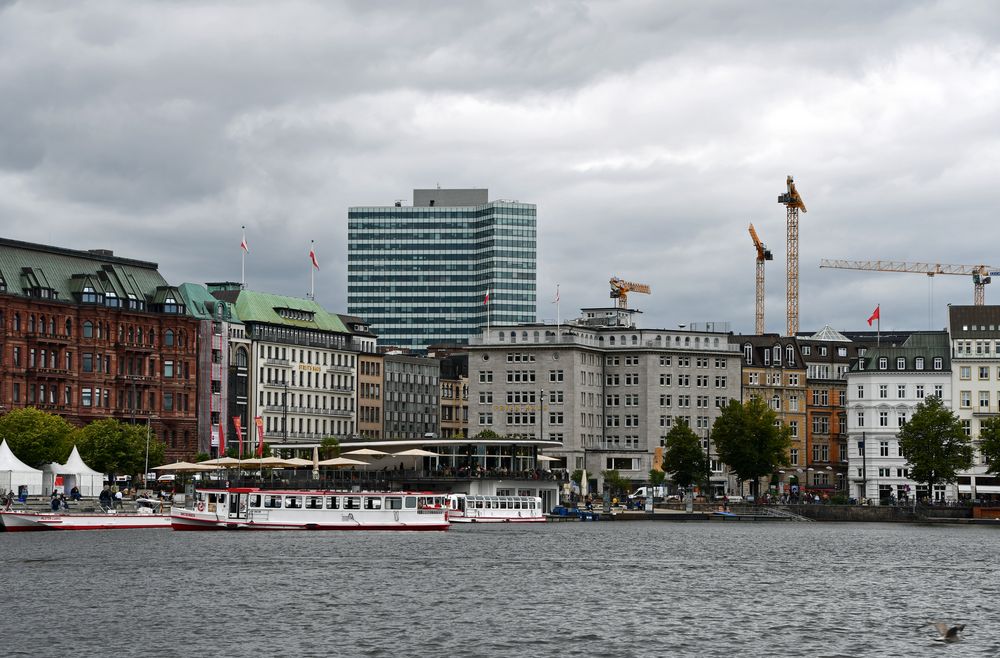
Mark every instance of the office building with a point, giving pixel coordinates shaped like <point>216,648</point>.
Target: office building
<point>420,274</point>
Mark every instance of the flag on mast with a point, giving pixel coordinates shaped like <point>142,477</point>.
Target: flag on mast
<point>222,439</point>
<point>243,244</point>
<point>259,422</point>
<point>239,434</point>
<point>556,300</point>
<point>875,315</point>
<point>486,299</point>
<point>312,254</point>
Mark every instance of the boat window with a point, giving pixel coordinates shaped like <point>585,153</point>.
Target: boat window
<point>410,502</point>
<point>373,503</point>
<point>517,504</point>
<point>255,500</point>
<point>394,503</point>
<point>352,502</point>
<point>314,502</point>
<point>293,502</point>
<point>333,502</point>
<point>272,502</point>
<point>503,504</point>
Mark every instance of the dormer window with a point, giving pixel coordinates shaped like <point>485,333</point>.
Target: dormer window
<point>111,300</point>
<point>900,363</point>
<point>89,295</point>
<point>938,363</point>
<point>748,353</point>
<point>918,363</point>
<point>883,363</point>
<point>841,351</point>
<point>777,355</point>
<point>789,355</point>
<point>169,305</point>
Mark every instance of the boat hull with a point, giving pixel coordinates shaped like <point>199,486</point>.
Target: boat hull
<point>188,520</point>
<point>47,521</point>
<point>489,519</point>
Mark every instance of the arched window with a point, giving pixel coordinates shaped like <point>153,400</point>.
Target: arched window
<point>789,355</point>
<point>635,339</point>
<point>513,336</point>
<point>17,322</point>
<point>152,336</point>
<point>131,335</point>
<point>88,329</point>
<point>611,340</point>
<point>748,353</point>
<point>31,324</point>
<point>138,335</point>
<point>168,338</point>
<point>242,359</point>
<point>69,327</point>
<point>777,355</point>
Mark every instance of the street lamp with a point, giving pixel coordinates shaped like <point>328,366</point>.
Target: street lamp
<point>284,419</point>
<point>541,417</point>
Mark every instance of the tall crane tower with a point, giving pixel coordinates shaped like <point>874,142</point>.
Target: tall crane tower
<point>763,254</point>
<point>620,290</point>
<point>793,203</point>
<point>981,274</point>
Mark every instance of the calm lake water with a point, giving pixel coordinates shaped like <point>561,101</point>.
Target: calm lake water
<point>567,589</point>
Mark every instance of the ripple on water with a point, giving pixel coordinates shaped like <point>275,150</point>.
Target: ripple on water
<point>616,589</point>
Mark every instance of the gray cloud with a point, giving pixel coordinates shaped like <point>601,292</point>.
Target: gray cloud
<point>648,133</point>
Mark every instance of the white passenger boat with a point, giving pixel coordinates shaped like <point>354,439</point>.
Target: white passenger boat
<point>463,508</point>
<point>23,521</point>
<point>257,509</point>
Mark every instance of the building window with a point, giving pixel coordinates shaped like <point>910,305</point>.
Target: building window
<point>883,419</point>
<point>918,363</point>
<point>883,449</point>
<point>938,363</point>
<point>900,363</point>
<point>966,397</point>
<point>883,363</point>
<point>965,372</point>
<point>984,372</point>
<point>901,390</point>
<point>883,391</point>
<point>748,353</point>
<point>920,391</point>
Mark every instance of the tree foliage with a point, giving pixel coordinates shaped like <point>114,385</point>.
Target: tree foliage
<point>117,448</point>
<point>37,437</point>
<point>989,443</point>
<point>684,458</point>
<point>657,477</point>
<point>749,440</point>
<point>577,476</point>
<point>934,444</point>
<point>329,448</point>
<point>615,483</point>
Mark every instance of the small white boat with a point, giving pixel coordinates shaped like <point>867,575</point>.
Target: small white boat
<point>463,508</point>
<point>23,521</point>
<point>257,509</point>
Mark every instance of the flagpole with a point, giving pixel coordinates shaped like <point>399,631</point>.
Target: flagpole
<point>487,312</point>
<point>243,260</point>
<point>558,315</point>
<point>878,327</point>
<point>312,272</point>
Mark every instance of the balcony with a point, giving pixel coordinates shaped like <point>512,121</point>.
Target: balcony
<point>135,378</point>
<point>277,362</point>
<point>47,372</point>
<point>344,369</point>
<point>309,411</point>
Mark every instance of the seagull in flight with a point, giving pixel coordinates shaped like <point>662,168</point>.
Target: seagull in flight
<point>946,633</point>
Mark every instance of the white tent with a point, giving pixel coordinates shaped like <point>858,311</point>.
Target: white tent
<point>50,472</point>
<point>14,472</point>
<point>76,473</point>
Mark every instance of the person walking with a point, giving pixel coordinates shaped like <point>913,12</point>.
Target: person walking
<point>105,498</point>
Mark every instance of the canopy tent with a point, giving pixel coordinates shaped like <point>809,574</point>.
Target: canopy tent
<point>77,474</point>
<point>14,473</point>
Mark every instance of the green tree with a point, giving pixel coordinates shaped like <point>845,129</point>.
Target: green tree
<point>750,440</point>
<point>989,443</point>
<point>657,477</point>
<point>117,448</point>
<point>487,434</point>
<point>37,437</point>
<point>577,476</point>
<point>934,444</point>
<point>329,448</point>
<point>615,483</point>
<point>684,457</point>
<point>201,457</point>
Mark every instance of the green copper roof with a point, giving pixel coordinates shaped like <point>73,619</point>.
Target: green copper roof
<point>202,305</point>
<point>26,267</point>
<point>288,311</point>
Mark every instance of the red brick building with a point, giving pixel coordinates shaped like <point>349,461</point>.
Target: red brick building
<point>88,335</point>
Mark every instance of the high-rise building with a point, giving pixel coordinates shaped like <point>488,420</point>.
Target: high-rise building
<point>420,274</point>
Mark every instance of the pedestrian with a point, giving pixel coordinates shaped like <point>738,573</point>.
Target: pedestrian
<point>54,502</point>
<point>118,500</point>
<point>63,502</point>
<point>105,498</point>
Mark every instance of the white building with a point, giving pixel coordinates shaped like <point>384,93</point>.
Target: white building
<point>884,387</point>
<point>606,389</point>
<point>974,332</point>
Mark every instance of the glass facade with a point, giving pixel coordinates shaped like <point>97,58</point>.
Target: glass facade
<point>419,274</point>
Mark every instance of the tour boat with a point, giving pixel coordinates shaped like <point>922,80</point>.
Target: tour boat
<point>258,509</point>
<point>23,521</point>
<point>463,508</point>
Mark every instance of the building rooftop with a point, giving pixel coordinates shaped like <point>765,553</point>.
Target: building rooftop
<point>280,310</point>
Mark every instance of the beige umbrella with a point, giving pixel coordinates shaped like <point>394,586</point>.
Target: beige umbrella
<point>342,461</point>
<point>364,451</point>
<point>298,462</point>
<point>185,467</point>
<point>266,462</point>
<point>415,452</point>
<point>546,458</point>
<point>221,461</point>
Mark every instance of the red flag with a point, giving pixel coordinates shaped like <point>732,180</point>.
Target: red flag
<point>222,439</point>
<point>486,299</point>
<point>312,257</point>
<point>875,315</point>
<point>243,244</point>
<point>260,435</point>
<point>239,434</point>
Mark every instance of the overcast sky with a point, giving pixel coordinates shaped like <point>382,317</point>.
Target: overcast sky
<point>648,133</point>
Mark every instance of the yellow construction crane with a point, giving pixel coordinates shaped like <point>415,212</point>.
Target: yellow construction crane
<point>763,254</point>
<point>620,290</point>
<point>793,203</point>
<point>981,274</point>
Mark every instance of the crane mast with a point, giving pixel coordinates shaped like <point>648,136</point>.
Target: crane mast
<point>981,274</point>
<point>793,203</point>
<point>763,254</point>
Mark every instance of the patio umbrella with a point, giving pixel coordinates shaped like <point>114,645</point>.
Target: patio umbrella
<point>342,461</point>
<point>221,461</point>
<point>415,452</point>
<point>298,462</point>
<point>185,467</point>
<point>266,462</point>
<point>546,458</point>
<point>364,451</point>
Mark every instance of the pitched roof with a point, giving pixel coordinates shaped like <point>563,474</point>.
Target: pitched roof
<point>26,267</point>
<point>203,305</point>
<point>831,334</point>
<point>974,321</point>
<point>288,311</point>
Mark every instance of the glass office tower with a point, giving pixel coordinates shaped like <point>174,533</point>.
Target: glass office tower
<point>419,274</point>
